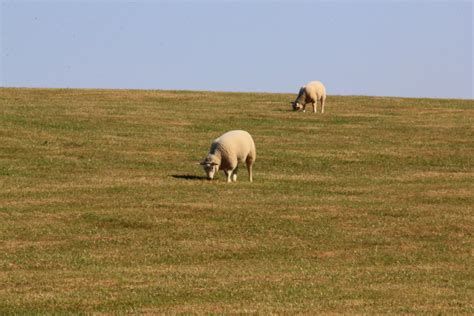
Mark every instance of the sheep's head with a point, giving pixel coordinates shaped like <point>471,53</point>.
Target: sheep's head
<point>296,106</point>
<point>210,167</point>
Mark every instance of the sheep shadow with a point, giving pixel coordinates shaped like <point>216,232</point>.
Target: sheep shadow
<point>188,177</point>
<point>284,110</point>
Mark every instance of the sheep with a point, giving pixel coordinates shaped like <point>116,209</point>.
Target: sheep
<point>227,151</point>
<point>312,92</point>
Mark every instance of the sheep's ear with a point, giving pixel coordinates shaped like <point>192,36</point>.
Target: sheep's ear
<point>201,163</point>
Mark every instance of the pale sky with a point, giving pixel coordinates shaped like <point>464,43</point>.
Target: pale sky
<point>384,48</point>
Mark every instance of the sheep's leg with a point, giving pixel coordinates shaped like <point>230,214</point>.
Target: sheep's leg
<point>315,107</point>
<point>228,174</point>
<point>249,164</point>
<point>234,174</point>
<point>304,107</point>
<point>323,100</point>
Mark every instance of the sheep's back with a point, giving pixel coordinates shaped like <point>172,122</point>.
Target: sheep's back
<point>236,143</point>
<point>315,89</point>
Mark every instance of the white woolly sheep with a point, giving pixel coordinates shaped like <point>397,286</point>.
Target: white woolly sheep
<point>312,92</point>
<point>227,151</point>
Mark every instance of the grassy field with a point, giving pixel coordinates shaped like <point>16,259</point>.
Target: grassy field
<point>103,208</point>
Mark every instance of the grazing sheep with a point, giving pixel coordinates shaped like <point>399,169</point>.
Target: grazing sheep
<point>312,92</point>
<point>227,152</point>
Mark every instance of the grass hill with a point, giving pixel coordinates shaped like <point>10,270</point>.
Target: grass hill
<point>103,208</point>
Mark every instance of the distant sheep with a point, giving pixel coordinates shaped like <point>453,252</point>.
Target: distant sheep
<point>227,152</point>
<point>312,92</point>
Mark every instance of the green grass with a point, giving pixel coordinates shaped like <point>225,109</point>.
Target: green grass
<point>365,209</point>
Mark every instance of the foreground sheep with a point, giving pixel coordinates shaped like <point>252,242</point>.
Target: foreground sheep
<point>227,152</point>
<point>312,92</point>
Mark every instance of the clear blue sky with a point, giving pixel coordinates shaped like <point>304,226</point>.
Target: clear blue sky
<point>385,48</point>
